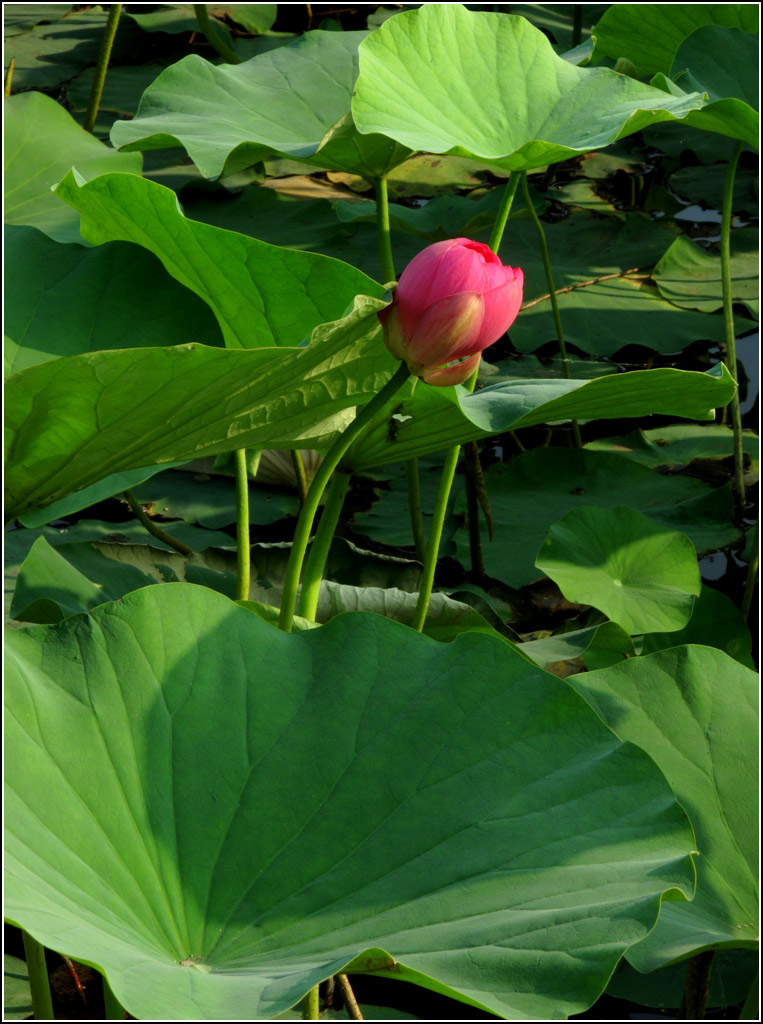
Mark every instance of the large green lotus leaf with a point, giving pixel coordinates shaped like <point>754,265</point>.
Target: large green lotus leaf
<point>592,647</point>
<point>602,316</point>
<point>559,19</point>
<point>640,574</point>
<point>649,35</point>
<point>106,487</point>
<point>21,17</point>
<point>605,317</point>
<point>261,294</point>
<point>211,500</point>
<point>721,62</point>
<point>66,299</point>
<point>224,863</point>
<point>725,113</point>
<point>136,407</point>
<point>693,710</point>
<point>689,276</point>
<point>388,521</point>
<point>437,418</point>
<point>180,18</point>
<point>538,488</point>
<point>734,970</point>
<point>122,89</point>
<point>47,55</point>
<point>292,101</point>
<point>42,141</point>
<point>448,80</point>
<point>704,183</point>
<point>680,444</point>
<point>715,622</point>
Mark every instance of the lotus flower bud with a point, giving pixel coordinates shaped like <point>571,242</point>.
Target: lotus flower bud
<point>453,300</point>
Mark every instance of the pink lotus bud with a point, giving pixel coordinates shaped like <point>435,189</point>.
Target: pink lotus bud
<point>453,300</point>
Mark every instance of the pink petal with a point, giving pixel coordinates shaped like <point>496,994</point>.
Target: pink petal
<point>448,328</point>
<point>457,373</point>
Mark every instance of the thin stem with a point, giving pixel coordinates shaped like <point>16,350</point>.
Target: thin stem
<point>299,472</point>
<point>697,985</point>
<point>113,1008</point>
<point>552,294</point>
<point>586,284</point>
<point>311,1005</point>
<point>306,516</point>
<point>9,76</point>
<point>435,535</point>
<point>152,528</point>
<point>214,37</point>
<point>382,231</point>
<point>414,507</point>
<point>319,552</point>
<point>504,210</point>
<point>752,575</point>
<point>96,89</point>
<point>728,317</point>
<point>577,24</point>
<point>243,553</point>
<point>76,979</point>
<point>39,983</point>
<point>350,1002</point>
<point>473,523</point>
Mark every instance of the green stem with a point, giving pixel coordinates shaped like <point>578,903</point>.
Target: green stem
<point>319,552</point>
<point>552,295</point>
<point>414,507</point>
<point>113,1008</point>
<point>382,231</point>
<point>311,1005</point>
<point>152,528</point>
<point>39,983</point>
<point>96,89</point>
<point>577,24</point>
<point>504,210</point>
<point>435,535</point>
<point>752,575</point>
<point>473,524</point>
<point>212,33</point>
<point>299,472</point>
<point>243,554</point>
<point>728,317</point>
<point>306,516</point>
<point>9,76</point>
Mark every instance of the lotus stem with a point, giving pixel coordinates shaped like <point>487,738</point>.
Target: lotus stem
<point>414,507</point>
<point>311,1005</point>
<point>504,210</point>
<point>333,457</point>
<point>383,232</point>
<point>39,983</point>
<point>728,317</point>
<point>752,575</point>
<point>96,89</point>
<point>552,295</point>
<point>350,1002</point>
<point>577,24</point>
<point>243,552</point>
<point>299,472</point>
<point>435,535</point>
<point>213,35</point>
<point>315,566</point>
<point>697,985</point>
<point>9,76</point>
<point>152,528</point>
